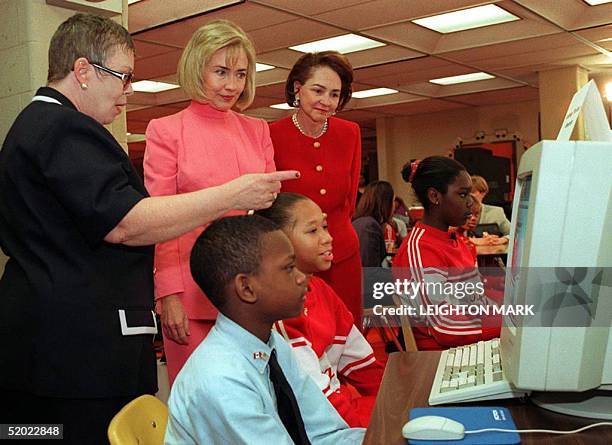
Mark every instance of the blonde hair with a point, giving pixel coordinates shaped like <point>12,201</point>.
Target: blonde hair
<point>206,41</point>
<point>479,184</point>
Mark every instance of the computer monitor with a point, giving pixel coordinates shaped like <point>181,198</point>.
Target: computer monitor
<point>562,226</point>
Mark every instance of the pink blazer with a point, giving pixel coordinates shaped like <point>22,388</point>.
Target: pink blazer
<point>196,148</point>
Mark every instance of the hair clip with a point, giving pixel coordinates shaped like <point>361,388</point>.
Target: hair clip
<point>413,168</point>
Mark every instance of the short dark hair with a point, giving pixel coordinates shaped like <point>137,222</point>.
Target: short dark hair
<point>85,35</point>
<point>433,172</point>
<point>228,247</point>
<point>280,210</point>
<point>302,71</point>
<point>376,201</point>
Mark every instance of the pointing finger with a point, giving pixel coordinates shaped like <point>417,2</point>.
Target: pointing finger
<point>283,175</point>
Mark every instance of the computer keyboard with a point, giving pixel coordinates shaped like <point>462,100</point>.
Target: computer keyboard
<point>471,373</point>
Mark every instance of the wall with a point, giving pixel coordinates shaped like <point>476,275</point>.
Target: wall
<point>403,138</point>
<point>25,28</point>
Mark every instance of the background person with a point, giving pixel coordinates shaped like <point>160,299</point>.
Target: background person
<point>490,214</point>
<point>372,214</point>
<point>327,151</point>
<point>433,254</point>
<point>465,232</point>
<point>202,146</point>
<point>78,227</point>
<point>361,185</point>
<point>399,207</point>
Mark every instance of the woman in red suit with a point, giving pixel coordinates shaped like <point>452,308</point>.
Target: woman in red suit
<point>327,151</point>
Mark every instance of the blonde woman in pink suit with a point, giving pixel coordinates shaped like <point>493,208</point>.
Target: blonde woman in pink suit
<point>205,145</point>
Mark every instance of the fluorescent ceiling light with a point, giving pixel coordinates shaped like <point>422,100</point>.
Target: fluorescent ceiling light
<point>373,92</point>
<point>347,43</point>
<point>263,67</point>
<point>132,1</point>
<point>150,86</point>
<point>282,106</point>
<point>472,77</point>
<point>466,19</point>
<point>597,2</point>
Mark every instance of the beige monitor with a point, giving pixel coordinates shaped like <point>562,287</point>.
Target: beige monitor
<point>560,260</point>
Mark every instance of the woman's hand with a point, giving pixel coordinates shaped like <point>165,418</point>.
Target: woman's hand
<point>175,322</point>
<point>258,190</point>
<point>494,240</point>
<point>479,241</point>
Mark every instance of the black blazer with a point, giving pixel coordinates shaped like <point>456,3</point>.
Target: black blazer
<point>65,183</point>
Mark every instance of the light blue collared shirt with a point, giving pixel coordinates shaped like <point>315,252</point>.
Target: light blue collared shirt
<point>223,395</point>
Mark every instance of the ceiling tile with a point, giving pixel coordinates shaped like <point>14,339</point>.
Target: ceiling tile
<point>399,68</point>
<point>276,90</point>
<point>383,12</point>
<point>502,96</point>
<point>570,14</point>
<point>147,14</point>
<point>146,49</point>
<point>291,33</point>
<point>418,107</point>
<point>312,7</point>
<point>555,48</point>
<point>250,16</point>
<point>157,66</point>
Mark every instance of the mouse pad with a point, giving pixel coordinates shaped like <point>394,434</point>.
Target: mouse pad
<point>473,418</point>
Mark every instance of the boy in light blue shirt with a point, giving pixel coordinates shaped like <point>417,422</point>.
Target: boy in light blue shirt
<point>242,385</point>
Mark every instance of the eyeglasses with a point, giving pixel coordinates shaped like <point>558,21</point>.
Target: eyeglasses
<point>126,78</point>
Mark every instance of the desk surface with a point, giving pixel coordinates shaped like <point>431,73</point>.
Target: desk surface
<point>501,249</point>
<point>407,382</point>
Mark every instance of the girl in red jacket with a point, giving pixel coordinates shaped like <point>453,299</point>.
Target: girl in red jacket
<point>324,338</point>
<point>442,265</point>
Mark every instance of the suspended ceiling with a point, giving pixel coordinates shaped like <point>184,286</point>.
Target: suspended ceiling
<point>550,34</point>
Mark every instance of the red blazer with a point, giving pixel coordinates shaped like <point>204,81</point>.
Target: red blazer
<point>329,167</point>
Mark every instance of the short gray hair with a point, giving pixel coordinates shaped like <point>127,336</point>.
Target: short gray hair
<point>85,35</point>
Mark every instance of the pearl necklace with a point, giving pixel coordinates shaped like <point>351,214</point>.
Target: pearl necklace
<point>297,125</point>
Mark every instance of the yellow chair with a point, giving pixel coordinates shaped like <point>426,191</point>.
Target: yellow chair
<point>140,422</point>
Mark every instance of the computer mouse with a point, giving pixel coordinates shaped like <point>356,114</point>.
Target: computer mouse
<point>433,428</point>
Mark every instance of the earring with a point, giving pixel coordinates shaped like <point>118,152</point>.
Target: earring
<point>83,86</point>
<point>296,102</point>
